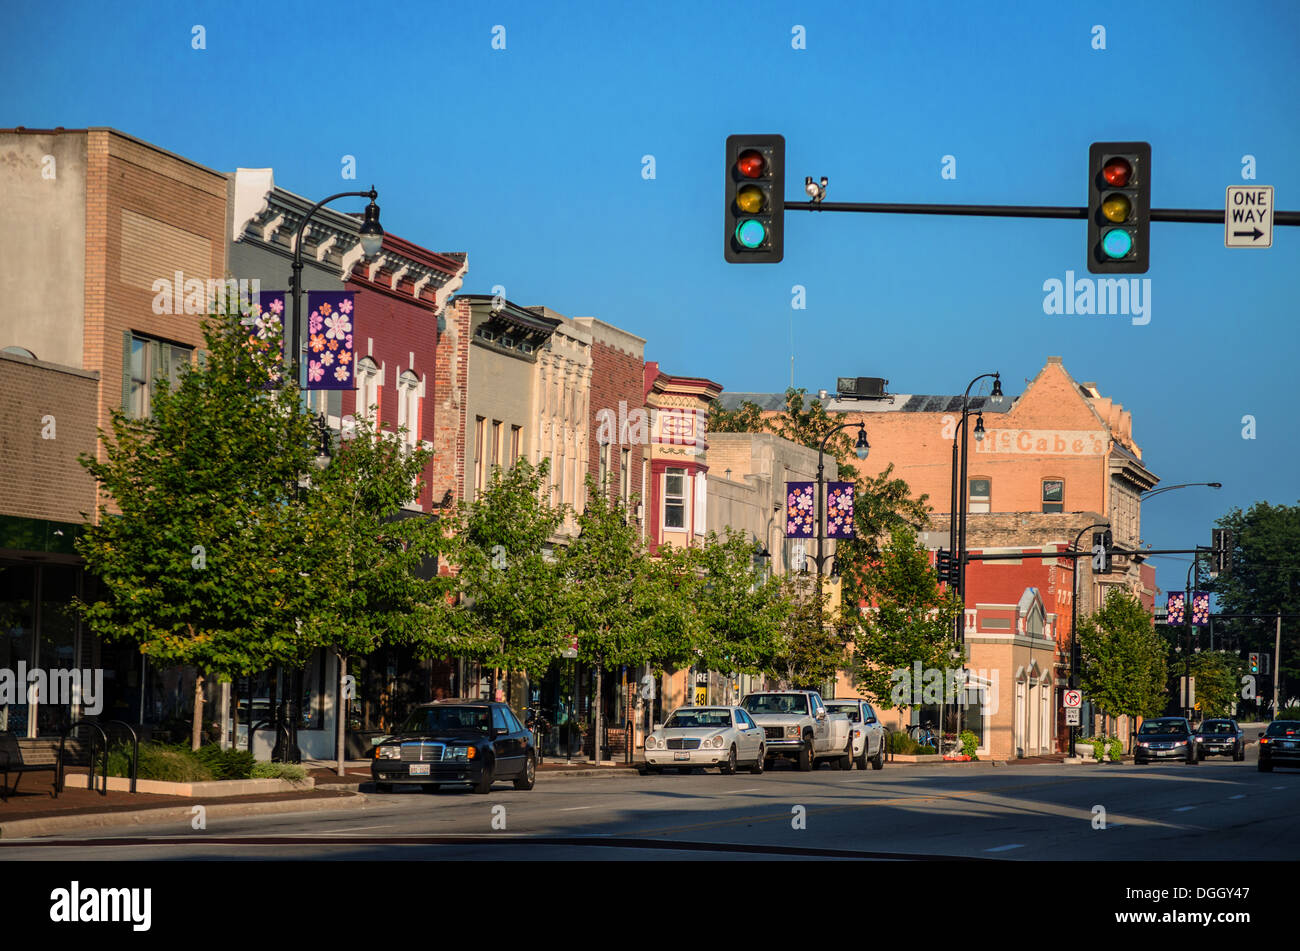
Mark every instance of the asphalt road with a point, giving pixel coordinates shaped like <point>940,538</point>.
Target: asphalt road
<point>1217,810</point>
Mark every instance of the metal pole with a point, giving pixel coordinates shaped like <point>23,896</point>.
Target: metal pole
<point>1074,617</point>
<point>1277,662</point>
<point>1210,216</point>
<point>1187,654</point>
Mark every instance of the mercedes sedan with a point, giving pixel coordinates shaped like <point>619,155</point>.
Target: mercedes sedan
<point>724,737</point>
<point>1279,745</point>
<point>456,742</point>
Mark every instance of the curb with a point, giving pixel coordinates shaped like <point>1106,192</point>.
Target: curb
<point>57,825</point>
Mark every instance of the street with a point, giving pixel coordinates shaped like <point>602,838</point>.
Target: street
<point>1215,810</point>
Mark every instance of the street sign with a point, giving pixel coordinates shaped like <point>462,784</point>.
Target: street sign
<point>1071,716</point>
<point>648,687</point>
<point>1248,217</point>
<point>1073,698</point>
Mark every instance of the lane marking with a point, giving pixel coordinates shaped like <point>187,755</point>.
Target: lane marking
<point>1238,796</point>
<point>1184,809</point>
<point>1279,787</point>
<point>736,792</point>
<point>1005,848</point>
<point>575,808</point>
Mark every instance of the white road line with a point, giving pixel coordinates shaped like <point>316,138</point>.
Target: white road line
<point>575,808</point>
<point>736,792</point>
<point>1184,809</point>
<point>1238,796</point>
<point>1279,787</point>
<point>1004,848</point>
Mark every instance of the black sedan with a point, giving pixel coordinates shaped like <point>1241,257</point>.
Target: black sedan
<point>1279,745</point>
<point>1165,738</point>
<point>1220,737</point>
<point>457,742</point>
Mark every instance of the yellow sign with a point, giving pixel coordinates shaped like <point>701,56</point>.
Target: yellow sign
<point>701,696</point>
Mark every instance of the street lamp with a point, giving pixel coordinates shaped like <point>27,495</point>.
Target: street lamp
<point>957,512</point>
<point>1074,616</point>
<point>1182,485</point>
<point>860,448</point>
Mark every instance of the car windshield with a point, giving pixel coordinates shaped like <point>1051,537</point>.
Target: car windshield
<point>851,710</point>
<point>699,720</point>
<point>796,703</point>
<point>448,720</point>
<point>1217,726</point>
<point>1283,728</point>
<point>1162,727</point>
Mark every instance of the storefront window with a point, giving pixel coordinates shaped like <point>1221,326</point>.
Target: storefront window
<point>17,632</point>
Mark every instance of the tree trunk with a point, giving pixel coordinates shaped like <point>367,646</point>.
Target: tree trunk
<point>196,734</point>
<point>340,713</point>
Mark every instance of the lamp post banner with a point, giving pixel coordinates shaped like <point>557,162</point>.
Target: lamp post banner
<point>329,340</point>
<point>839,510</point>
<point>800,509</point>
<point>1175,607</point>
<point>1201,608</point>
<point>265,325</point>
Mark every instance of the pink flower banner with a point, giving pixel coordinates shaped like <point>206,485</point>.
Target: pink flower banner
<point>265,326</point>
<point>839,510</point>
<point>1201,608</point>
<point>800,510</point>
<point>329,340</point>
<point>1175,607</point>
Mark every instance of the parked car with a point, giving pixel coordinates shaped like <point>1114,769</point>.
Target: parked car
<point>866,734</point>
<point>1220,737</point>
<point>450,742</point>
<point>796,725</point>
<point>1279,745</point>
<point>1165,738</point>
<point>725,737</point>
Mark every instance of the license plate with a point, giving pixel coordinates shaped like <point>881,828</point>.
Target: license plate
<point>419,769</point>
<point>1288,744</point>
<point>678,756</point>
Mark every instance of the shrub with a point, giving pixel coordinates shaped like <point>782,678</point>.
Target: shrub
<point>969,743</point>
<point>926,751</point>
<point>226,764</point>
<point>900,742</point>
<point>1115,747</point>
<point>169,764</point>
<point>1289,713</point>
<point>290,771</point>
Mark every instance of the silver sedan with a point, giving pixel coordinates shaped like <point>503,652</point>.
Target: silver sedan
<point>724,737</point>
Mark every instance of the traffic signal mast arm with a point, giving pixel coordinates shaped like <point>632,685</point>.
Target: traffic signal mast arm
<point>1208,216</point>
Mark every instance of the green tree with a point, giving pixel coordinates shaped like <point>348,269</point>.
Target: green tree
<point>198,543</point>
<point>909,620</point>
<point>625,607</point>
<point>810,650</point>
<point>1217,680</point>
<point>739,610</point>
<point>365,579</point>
<point>1265,579</point>
<point>511,583</point>
<point>1124,666</point>
<point>746,418</point>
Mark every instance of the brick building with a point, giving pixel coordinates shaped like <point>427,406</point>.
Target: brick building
<point>617,391</point>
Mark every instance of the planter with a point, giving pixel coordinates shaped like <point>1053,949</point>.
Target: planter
<point>210,790</point>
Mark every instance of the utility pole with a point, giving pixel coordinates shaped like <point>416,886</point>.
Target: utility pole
<point>1277,661</point>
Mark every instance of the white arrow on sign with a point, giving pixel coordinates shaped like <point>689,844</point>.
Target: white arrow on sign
<point>1073,698</point>
<point>1248,216</point>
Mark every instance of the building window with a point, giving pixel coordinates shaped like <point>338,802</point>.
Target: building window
<point>367,379</point>
<point>408,407</point>
<point>625,475</point>
<point>1053,495</point>
<point>516,443</point>
<point>602,479</point>
<point>480,430</point>
<point>979,495</point>
<point>675,498</point>
<point>144,361</point>
<point>497,430</point>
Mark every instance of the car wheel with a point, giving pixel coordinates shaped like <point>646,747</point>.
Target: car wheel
<point>807,761</point>
<point>485,780</point>
<point>845,762</point>
<point>861,761</point>
<point>878,761</point>
<point>1193,759</point>
<point>768,762</point>
<point>383,787</point>
<point>528,775</point>
<point>729,767</point>
<point>759,764</point>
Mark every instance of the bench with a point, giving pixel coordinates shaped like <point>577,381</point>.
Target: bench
<point>37,758</point>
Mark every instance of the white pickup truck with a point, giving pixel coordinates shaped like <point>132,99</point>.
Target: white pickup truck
<point>797,725</point>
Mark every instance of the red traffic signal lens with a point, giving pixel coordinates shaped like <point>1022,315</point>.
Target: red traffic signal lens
<point>1117,172</point>
<point>751,164</point>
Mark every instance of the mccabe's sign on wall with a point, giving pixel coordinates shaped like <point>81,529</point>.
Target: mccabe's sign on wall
<point>1050,442</point>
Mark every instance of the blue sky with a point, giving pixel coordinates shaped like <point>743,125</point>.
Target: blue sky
<point>530,159</point>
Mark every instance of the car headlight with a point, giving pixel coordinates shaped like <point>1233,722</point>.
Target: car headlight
<point>652,742</point>
<point>458,752</point>
<point>792,732</point>
<point>388,752</point>
<point>1180,742</point>
<point>716,742</point>
<point>1143,744</point>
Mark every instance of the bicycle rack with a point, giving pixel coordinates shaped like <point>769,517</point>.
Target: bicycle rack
<point>135,750</point>
<point>281,733</point>
<point>63,739</point>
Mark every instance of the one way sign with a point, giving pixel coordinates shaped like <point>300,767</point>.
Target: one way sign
<point>1248,218</point>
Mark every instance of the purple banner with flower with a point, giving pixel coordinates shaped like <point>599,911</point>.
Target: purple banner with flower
<point>265,325</point>
<point>839,510</point>
<point>1201,608</point>
<point>800,511</point>
<point>1175,608</point>
<point>329,340</point>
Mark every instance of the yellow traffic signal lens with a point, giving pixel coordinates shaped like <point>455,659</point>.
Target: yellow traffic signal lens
<point>1116,208</point>
<point>750,199</point>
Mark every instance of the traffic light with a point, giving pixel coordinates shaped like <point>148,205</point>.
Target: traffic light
<point>949,570</point>
<point>1119,207</point>
<point>754,218</point>
<point>1101,546</point>
<point>1221,548</point>
<point>1254,663</point>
